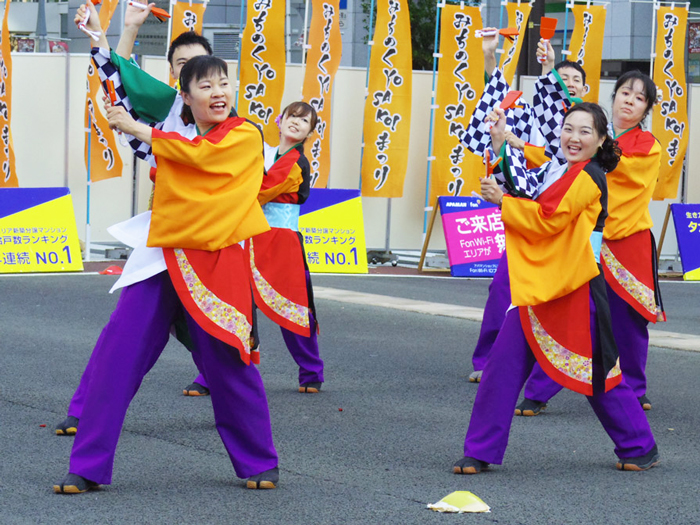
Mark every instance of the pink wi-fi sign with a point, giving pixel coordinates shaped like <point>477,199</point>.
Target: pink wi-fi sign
<point>474,235</point>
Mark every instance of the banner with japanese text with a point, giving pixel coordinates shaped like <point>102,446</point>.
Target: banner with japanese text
<point>262,66</point>
<point>102,159</point>
<point>322,61</point>
<point>670,120</point>
<point>518,14</point>
<point>333,231</point>
<point>37,231</point>
<point>187,16</point>
<point>8,177</point>
<point>587,45</point>
<point>474,235</point>
<point>454,169</point>
<point>387,119</point>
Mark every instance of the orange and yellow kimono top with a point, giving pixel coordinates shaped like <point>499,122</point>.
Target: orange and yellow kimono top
<point>205,203</point>
<point>554,275</point>
<point>629,253</point>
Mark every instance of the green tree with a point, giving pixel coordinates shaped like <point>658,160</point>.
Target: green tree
<point>422,29</point>
<point>423,32</point>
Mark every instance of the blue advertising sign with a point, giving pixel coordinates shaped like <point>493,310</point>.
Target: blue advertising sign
<point>686,219</point>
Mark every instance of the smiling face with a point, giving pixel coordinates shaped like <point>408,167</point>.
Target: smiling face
<point>629,105</point>
<point>182,54</point>
<point>295,129</point>
<point>209,98</point>
<point>573,80</point>
<point>579,139</point>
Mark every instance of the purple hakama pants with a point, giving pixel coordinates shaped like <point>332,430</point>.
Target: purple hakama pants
<point>632,339</point>
<point>494,314</point>
<point>507,369</point>
<point>128,347</point>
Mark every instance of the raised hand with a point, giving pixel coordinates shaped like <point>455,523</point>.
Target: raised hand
<point>87,14</point>
<point>545,55</point>
<point>489,44</point>
<point>134,17</point>
<point>498,129</point>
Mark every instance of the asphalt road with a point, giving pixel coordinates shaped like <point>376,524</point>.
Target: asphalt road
<point>400,380</point>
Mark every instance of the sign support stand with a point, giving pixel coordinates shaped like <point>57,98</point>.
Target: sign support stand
<point>663,234</point>
<point>426,241</point>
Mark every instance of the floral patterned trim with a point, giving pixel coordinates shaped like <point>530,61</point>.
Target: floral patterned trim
<point>570,364</point>
<point>279,304</point>
<point>638,290</point>
<point>614,371</point>
<point>217,311</point>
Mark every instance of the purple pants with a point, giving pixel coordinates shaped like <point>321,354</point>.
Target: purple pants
<point>507,369</point>
<point>129,345</point>
<point>75,407</point>
<point>632,339</point>
<point>304,351</point>
<point>494,313</point>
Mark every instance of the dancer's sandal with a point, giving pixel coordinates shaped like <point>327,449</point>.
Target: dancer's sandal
<point>195,389</point>
<point>649,460</point>
<point>475,376</point>
<point>529,407</point>
<point>264,480</point>
<point>644,401</point>
<point>310,388</point>
<point>67,427</point>
<point>74,484</point>
<point>467,465</point>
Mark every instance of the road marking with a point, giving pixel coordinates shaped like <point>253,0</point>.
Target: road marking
<point>673,340</point>
<point>399,303</point>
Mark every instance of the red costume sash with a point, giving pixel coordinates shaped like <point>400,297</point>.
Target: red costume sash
<point>214,288</point>
<point>559,334</point>
<point>278,273</point>
<point>629,270</point>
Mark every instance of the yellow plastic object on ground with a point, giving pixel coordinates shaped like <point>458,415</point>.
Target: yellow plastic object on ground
<point>460,502</point>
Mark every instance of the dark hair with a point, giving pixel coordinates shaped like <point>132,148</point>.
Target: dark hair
<point>573,65</point>
<point>608,154</point>
<point>301,109</point>
<point>648,83</point>
<point>189,38</point>
<point>196,68</point>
